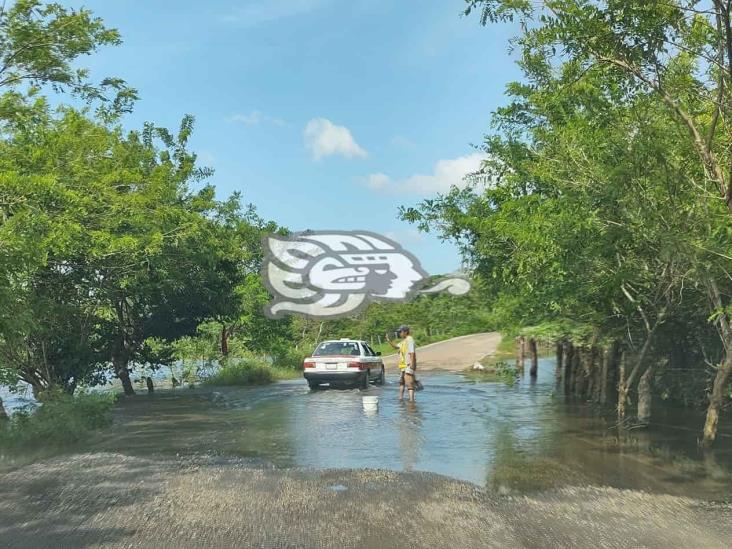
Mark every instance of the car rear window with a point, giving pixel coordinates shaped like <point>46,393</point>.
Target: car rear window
<point>337,348</point>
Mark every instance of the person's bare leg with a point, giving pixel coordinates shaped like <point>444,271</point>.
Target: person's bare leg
<point>401,392</point>
<point>409,382</point>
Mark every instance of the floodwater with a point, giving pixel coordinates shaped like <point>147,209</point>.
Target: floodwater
<point>516,438</point>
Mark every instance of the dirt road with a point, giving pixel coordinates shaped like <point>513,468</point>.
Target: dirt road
<point>453,354</point>
<point>111,500</point>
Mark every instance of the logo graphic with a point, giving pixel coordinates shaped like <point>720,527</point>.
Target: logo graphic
<point>327,274</point>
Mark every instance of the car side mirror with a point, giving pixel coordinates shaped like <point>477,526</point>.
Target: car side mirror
<point>378,353</point>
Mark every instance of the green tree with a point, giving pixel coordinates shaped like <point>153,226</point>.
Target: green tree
<point>39,45</point>
<point>680,52</point>
<point>113,218</point>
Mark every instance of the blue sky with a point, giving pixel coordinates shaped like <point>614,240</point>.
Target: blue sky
<point>325,114</point>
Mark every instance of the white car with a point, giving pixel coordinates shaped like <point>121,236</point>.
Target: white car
<point>344,361</point>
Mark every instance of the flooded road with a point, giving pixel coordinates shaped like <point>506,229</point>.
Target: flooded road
<point>507,438</point>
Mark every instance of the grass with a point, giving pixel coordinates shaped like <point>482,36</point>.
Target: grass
<point>60,421</point>
<point>498,371</point>
<point>505,351</point>
<point>524,474</point>
<point>498,365</point>
<point>250,372</point>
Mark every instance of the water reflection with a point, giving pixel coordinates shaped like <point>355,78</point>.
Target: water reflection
<point>520,437</point>
<point>410,441</point>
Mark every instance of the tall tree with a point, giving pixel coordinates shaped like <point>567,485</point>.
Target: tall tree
<point>681,52</point>
<point>39,45</point>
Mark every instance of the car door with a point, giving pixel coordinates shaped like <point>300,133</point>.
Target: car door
<point>374,361</point>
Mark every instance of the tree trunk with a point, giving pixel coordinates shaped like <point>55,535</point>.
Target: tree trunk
<point>224,341</point>
<point>628,382</point>
<point>622,389</point>
<point>645,397</point>
<point>567,357</point>
<point>598,363</point>
<point>3,413</point>
<point>534,357</point>
<point>716,399</point>
<point>609,369</point>
<point>579,372</point>
<point>120,350</point>
<point>520,354</point>
<point>150,386</point>
<point>558,369</point>
<point>589,373</point>
<point>573,371</point>
<point>123,373</point>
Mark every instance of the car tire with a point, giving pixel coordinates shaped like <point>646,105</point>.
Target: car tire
<point>382,377</point>
<point>365,380</point>
<point>314,385</point>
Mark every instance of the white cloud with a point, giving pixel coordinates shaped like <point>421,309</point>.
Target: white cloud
<point>378,181</point>
<point>323,138</point>
<point>256,117</point>
<point>257,12</point>
<point>445,174</point>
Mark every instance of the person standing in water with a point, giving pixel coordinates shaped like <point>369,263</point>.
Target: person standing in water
<point>407,361</point>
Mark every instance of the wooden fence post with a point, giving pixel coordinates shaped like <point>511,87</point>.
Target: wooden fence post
<point>566,365</point>
<point>534,357</point>
<point>520,354</point>
<point>574,369</point>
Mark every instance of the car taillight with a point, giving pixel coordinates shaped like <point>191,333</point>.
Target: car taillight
<point>359,365</point>
<point>308,364</point>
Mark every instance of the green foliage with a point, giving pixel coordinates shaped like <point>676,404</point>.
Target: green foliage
<point>496,371</point>
<point>61,420</point>
<point>40,44</point>
<point>431,318</point>
<point>248,372</point>
<point>562,328</point>
<point>603,217</point>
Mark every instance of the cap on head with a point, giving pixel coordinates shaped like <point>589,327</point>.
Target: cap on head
<point>403,328</point>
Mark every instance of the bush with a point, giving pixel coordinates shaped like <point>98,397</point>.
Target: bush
<point>289,358</point>
<point>499,371</point>
<point>243,372</point>
<point>61,420</point>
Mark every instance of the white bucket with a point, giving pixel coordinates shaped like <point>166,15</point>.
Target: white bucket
<point>370,403</point>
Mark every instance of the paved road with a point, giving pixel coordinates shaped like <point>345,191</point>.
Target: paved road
<point>111,500</point>
<point>453,354</point>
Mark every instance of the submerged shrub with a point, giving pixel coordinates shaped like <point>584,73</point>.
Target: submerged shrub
<point>60,420</point>
<point>243,372</point>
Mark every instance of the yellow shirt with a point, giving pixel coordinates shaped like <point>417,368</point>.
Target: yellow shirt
<point>406,346</point>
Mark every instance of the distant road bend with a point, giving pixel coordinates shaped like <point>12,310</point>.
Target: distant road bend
<point>454,354</point>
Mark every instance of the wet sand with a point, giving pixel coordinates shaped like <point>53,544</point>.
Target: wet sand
<point>453,355</point>
<point>112,500</point>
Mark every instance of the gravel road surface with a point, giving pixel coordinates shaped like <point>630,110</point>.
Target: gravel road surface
<point>112,500</point>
